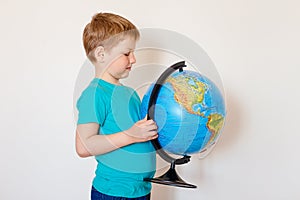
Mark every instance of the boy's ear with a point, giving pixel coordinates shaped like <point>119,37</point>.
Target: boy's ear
<point>99,54</point>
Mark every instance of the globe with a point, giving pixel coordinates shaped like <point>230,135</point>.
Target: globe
<point>189,112</point>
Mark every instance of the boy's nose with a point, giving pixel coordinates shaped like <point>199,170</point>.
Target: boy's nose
<point>132,58</point>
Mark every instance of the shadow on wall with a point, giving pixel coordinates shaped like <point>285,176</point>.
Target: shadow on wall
<point>84,77</point>
<point>233,123</point>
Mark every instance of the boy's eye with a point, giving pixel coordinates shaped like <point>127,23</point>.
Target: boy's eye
<point>127,54</point>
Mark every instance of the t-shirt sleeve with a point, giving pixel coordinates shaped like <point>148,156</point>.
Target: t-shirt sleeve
<point>90,107</point>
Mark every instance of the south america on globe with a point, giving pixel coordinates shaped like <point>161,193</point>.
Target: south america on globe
<point>189,112</point>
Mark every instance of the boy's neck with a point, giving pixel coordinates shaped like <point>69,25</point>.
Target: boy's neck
<point>99,73</point>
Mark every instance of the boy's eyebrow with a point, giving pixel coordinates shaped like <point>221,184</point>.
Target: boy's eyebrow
<point>129,49</point>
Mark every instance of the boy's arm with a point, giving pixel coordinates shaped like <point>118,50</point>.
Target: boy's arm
<point>90,143</point>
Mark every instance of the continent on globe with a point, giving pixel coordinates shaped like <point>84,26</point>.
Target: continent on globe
<point>215,124</point>
<point>188,92</point>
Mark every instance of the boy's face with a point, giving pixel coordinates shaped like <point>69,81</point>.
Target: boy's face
<point>119,60</point>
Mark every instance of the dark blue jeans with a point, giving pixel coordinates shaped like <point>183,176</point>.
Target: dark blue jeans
<point>96,195</point>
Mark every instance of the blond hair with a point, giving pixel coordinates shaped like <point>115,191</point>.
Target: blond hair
<point>107,30</point>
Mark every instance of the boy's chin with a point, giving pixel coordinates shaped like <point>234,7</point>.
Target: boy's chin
<point>125,75</point>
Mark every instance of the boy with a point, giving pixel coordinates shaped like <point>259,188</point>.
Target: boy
<point>109,125</point>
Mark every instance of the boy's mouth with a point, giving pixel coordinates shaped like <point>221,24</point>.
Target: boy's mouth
<point>128,68</point>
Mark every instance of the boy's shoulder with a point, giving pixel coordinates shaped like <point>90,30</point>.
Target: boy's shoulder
<point>95,86</point>
<point>93,92</point>
<point>101,90</point>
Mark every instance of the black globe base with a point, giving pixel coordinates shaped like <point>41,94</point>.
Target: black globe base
<point>171,178</point>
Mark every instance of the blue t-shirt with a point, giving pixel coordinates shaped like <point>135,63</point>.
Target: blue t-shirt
<point>116,108</point>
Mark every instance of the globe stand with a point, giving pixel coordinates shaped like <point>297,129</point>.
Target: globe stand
<point>170,177</point>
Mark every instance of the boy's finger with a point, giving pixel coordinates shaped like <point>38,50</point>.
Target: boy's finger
<point>146,118</point>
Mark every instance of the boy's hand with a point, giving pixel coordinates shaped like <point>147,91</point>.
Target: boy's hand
<point>142,131</point>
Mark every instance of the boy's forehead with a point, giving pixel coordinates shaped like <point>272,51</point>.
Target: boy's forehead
<point>126,43</point>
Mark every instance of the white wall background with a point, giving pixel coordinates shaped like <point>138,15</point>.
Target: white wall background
<point>254,45</point>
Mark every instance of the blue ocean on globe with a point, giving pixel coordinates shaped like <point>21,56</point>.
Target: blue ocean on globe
<point>189,112</point>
